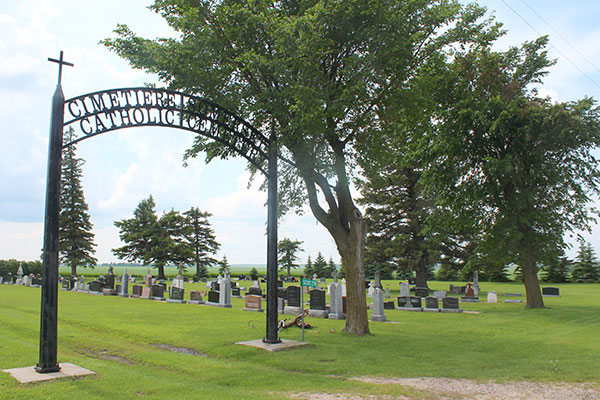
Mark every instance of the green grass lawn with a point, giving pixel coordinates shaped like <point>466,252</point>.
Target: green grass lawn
<point>117,338</point>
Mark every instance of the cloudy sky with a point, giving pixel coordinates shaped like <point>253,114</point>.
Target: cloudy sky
<point>123,167</point>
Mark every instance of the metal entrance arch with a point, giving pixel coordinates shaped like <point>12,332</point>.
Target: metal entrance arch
<point>95,113</point>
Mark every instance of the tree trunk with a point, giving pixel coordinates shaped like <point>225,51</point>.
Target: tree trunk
<point>73,270</point>
<point>532,285</point>
<point>198,271</point>
<point>288,268</point>
<point>351,249</point>
<point>421,275</point>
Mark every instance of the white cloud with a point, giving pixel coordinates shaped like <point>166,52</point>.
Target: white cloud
<point>21,240</point>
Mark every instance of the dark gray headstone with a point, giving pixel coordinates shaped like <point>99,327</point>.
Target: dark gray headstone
<point>255,291</point>
<point>118,288</point>
<point>550,291</point>
<point>157,291</point>
<point>403,301</point>
<point>96,286</point>
<point>109,282</point>
<point>213,296</point>
<point>415,301</point>
<point>421,292</point>
<point>282,293</point>
<point>450,302</point>
<point>388,305</point>
<point>293,296</point>
<point>432,302</point>
<point>317,299</point>
<point>136,290</point>
<point>235,291</point>
<point>176,293</point>
<point>280,283</point>
<point>65,284</point>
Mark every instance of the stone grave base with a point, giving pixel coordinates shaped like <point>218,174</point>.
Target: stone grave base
<point>336,316</point>
<point>469,299</point>
<point>378,318</point>
<point>550,295</point>
<point>272,347</point>
<point>28,374</point>
<point>318,313</point>
<point>208,303</point>
<point>513,301</point>
<point>253,309</point>
<point>94,293</point>
<point>175,301</point>
<point>452,310</point>
<point>158,298</point>
<point>236,297</point>
<point>124,295</point>
<point>292,310</point>
<point>410,308</point>
<point>109,292</point>
<point>196,302</point>
<point>431,310</point>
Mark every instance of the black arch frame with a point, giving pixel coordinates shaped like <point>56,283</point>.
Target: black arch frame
<point>108,110</point>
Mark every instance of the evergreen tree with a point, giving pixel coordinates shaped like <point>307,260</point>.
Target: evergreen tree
<point>76,239</point>
<point>320,266</point>
<point>331,267</point>
<point>223,266</point>
<point>254,274</point>
<point>287,250</point>
<point>556,270</point>
<point>585,267</point>
<point>308,268</point>
<point>151,240</point>
<point>202,240</point>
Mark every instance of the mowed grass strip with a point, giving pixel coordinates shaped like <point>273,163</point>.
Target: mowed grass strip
<point>127,343</point>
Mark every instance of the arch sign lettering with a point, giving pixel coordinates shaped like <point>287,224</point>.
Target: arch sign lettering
<point>100,112</point>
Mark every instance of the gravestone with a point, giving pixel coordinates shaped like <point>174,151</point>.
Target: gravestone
<point>282,293</point>
<point>389,305</point>
<point>318,307</point>
<point>176,294</point>
<point>82,283</point>
<point>253,303</point>
<point>26,280</point>
<point>432,304</point>
<point>146,293</point>
<point>378,310</point>
<point>124,292</point>
<point>371,289</point>
<point>225,292</point>
<point>148,279</point>
<point>421,292</point>
<point>294,306</point>
<point>476,283</point>
<point>343,287</point>
<point>109,282</point>
<point>157,292</point>
<point>551,291</point>
<point>65,284</point>
<point>195,297</point>
<point>235,292</point>
<point>492,297</point>
<point>513,294</point>
<point>109,292</point>
<point>469,295</point>
<point>415,301</point>
<point>404,301</point>
<point>255,290</point>
<point>450,304</point>
<point>118,287</point>
<point>404,289</point>
<point>136,290</point>
<point>213,297</point>
<point>96,286</point>
<point>19,275</point>
<point>387,293</point>
<point>280,305</point>
<point>178,282</point>
<point>513,301</point>
<point>439,294</point>
<point>335,299</point>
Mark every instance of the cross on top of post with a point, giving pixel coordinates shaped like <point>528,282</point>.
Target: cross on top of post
<point>60,63</point>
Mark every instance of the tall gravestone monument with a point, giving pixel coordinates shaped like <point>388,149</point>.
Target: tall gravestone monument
<point>335,299</point>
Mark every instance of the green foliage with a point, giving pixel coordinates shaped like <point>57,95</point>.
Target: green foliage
<point>76,239</point>
<point>556,270</point>
<point>448,272</point>
<point>224,266</point>
<point>287,250</point>
<point>202,240</point>
<point>319,266</point>
<point>585,267</point>
<point>254,274</point>
<point>151,240</point>
<point>12,266</point>
<point>308,267</point>
<point>518,168</point>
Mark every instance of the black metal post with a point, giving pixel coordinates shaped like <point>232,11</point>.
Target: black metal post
<point>272,336</point>
<point>49,311</point>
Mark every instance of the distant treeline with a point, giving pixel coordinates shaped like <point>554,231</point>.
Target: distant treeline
<point>12,266</point>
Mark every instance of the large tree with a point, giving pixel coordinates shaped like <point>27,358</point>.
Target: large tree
<point>518,168</point>
<point>153,240</point>
<point>76,239</point>
<point>287,249</point>
<point>202,239</point>
<point>314,72</point>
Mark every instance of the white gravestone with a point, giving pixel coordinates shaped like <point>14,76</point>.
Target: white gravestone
<point>387,293</point>
<point>125,285</point>
<point>225,291</point>
<point>335,299</point>
<point>439,294</point>
<point>492,297</point>
<point>378,313</point>
<point>178,281</point>
<point>404,289</point>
